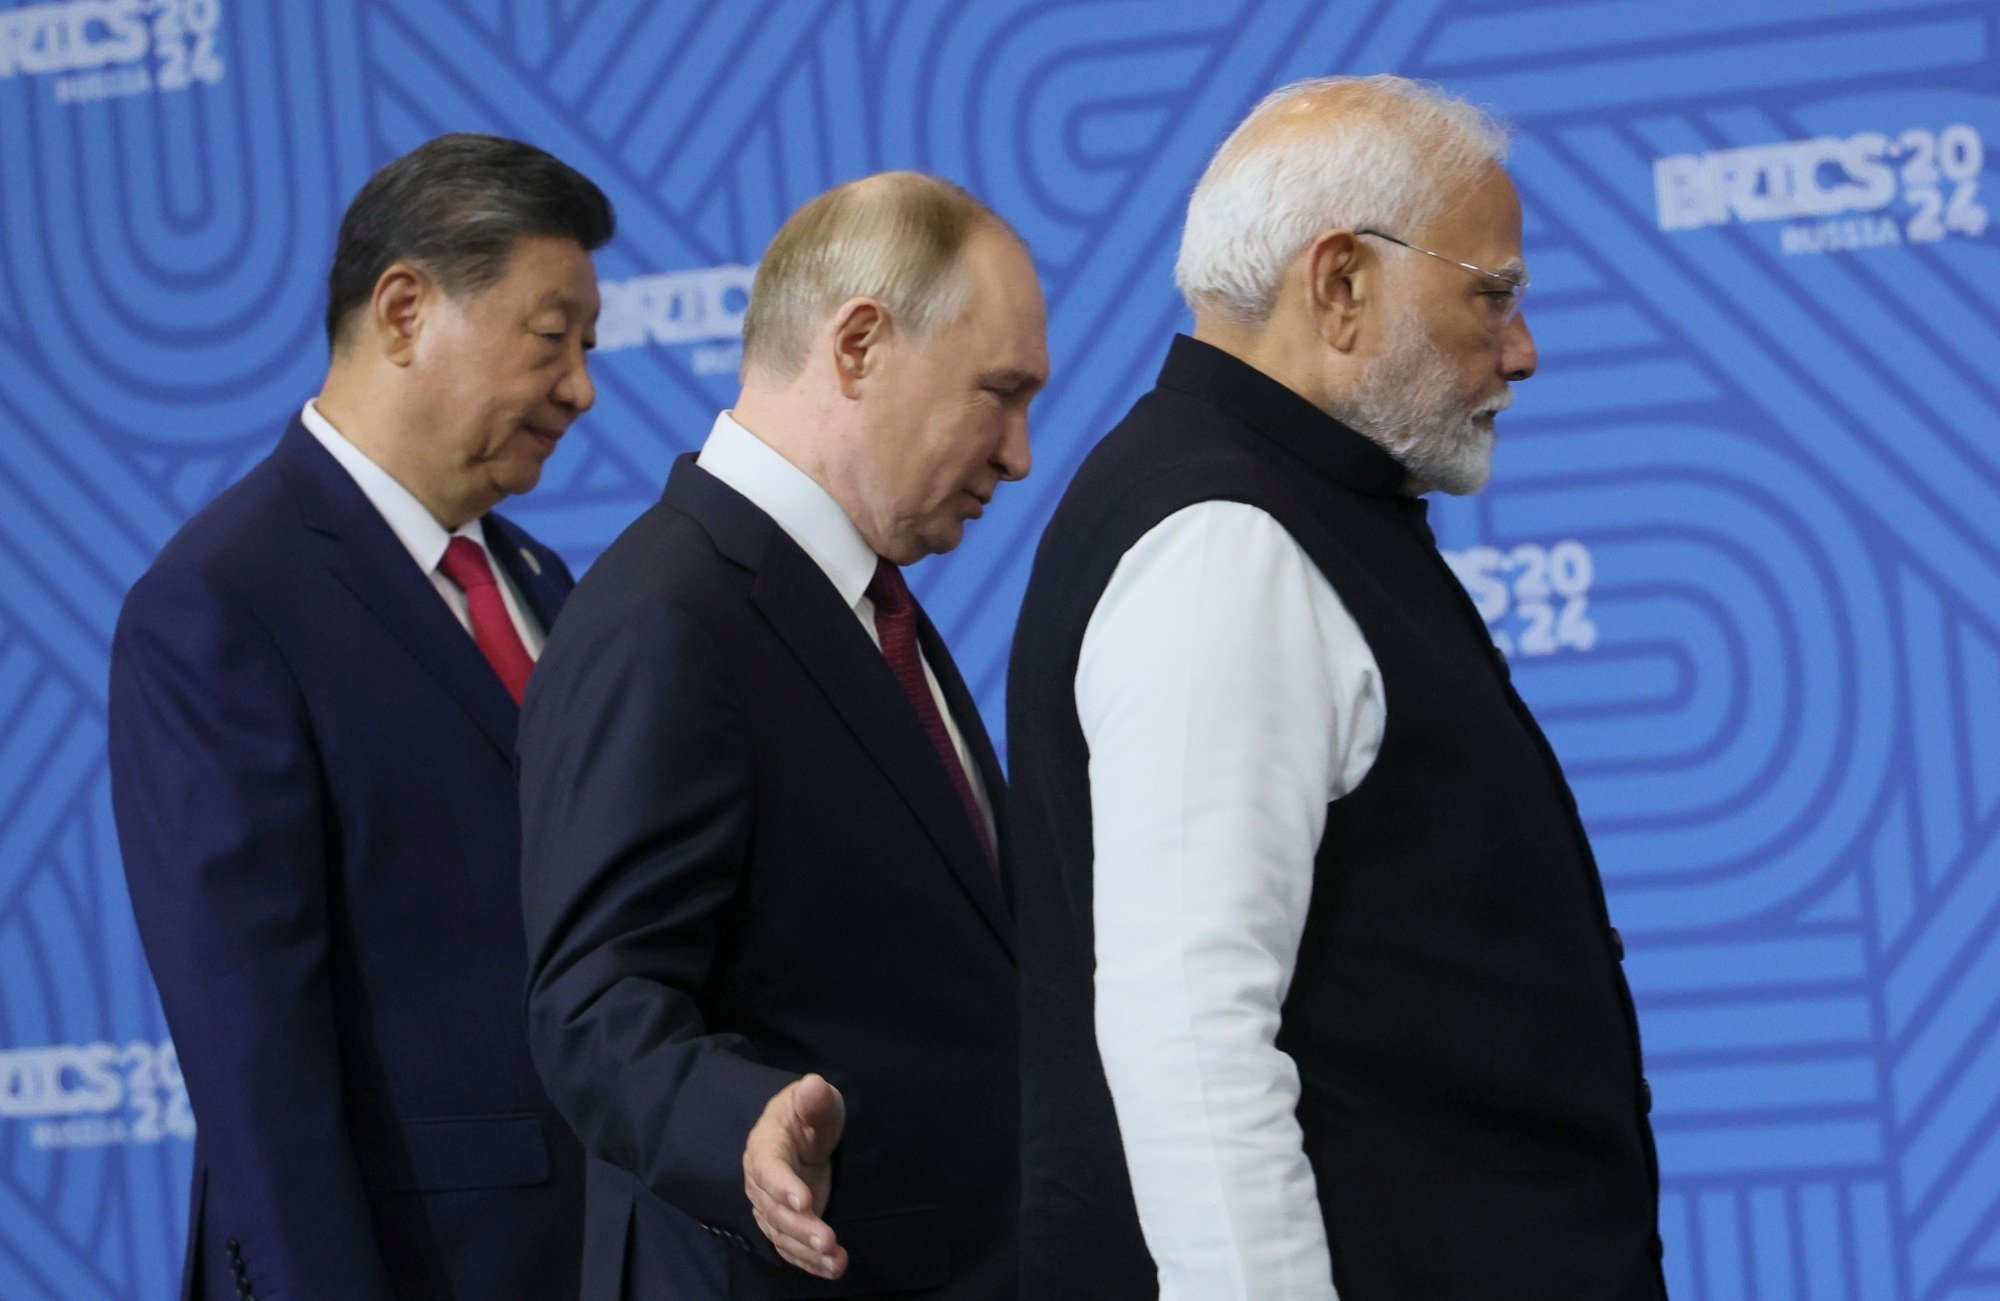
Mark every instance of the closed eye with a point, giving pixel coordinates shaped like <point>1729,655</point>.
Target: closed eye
<point>1012,387</point>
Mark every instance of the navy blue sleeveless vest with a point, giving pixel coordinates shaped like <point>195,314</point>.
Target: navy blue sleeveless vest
<point>1472,1103</point>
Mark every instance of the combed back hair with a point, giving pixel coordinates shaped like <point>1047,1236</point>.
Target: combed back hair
<point>1324,154</point>
<point>895,237</point>
<point>453,208</point>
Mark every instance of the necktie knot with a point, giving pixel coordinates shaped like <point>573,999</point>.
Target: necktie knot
<point>896,625</point>
<point>888,591</point>
<point>465,564</point>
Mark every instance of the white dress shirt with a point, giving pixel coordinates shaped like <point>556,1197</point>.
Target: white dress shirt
<point>1227,697</point>
<point>420,533</point>
<point>814,520</point>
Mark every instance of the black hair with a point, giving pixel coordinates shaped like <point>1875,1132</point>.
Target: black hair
<point>454,208</point>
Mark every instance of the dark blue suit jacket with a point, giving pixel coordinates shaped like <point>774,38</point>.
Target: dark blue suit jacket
<point>743,861</point>
<point>313,776</point>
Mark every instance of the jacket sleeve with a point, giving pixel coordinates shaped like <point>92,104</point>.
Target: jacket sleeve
<point>636,790</point>
<point>216,788</point>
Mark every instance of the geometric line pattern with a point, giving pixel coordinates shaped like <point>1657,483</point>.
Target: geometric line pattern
<point>1782,471</point>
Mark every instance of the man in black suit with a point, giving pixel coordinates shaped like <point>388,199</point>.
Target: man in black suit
<point>771,972</point>
<point>313,700</point>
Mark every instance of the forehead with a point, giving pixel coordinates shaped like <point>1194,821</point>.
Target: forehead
<point>546,271</point>
<point>1483,223</point>
<point>1005,299</point>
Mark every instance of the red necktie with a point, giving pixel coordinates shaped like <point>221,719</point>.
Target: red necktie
<point>896,624</point>
<point>492,627</point>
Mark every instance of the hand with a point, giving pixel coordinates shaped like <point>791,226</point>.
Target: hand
<point>788,1176</point>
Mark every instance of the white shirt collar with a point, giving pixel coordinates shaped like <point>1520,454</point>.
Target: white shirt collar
<point>799,506</point>
<point>414,525</point>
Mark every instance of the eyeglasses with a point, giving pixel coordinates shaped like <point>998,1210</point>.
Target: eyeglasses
<point>1516,286</point>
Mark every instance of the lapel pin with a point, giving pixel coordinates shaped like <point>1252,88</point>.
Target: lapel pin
<point>534,565</point>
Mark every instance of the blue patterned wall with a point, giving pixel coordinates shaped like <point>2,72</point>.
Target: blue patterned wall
<point>1743,541</point>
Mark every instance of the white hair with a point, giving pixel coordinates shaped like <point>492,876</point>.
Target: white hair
<point>1322,154</point>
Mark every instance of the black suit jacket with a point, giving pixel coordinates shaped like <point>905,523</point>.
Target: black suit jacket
<point>313,773</point>
<point>743,861</point>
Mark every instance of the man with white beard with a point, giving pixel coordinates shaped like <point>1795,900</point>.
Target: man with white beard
<point>1319,990</point>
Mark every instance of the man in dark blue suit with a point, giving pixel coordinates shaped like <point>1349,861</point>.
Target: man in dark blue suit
<point>313,703</point>
<point>764,835</point>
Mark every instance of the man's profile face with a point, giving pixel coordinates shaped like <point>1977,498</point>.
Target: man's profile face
<point>502,373</point>
<point>1442,370</point>
<point>953,415</point>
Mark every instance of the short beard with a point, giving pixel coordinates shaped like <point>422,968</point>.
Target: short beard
<point>1410,401</point>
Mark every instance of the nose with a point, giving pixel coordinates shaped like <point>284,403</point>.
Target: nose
<point>1518,358</point>
<point>574,389</point>
<point>1012,460</point>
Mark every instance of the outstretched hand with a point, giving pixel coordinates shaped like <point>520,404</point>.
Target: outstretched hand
<point>788,1175</point>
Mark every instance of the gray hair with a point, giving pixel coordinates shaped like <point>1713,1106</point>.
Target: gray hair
<point>1321,154</point>
<point>895,237</point>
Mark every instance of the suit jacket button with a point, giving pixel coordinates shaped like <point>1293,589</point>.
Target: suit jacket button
<point>1617,944</point>
<point>1646,1096</point>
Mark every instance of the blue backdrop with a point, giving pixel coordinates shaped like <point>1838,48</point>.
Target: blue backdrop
<point>1741,543</point>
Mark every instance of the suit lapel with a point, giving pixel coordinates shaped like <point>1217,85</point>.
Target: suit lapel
<point>793,595</point>
<point>537,572</point>
<point>352,539</point>
<point>965,712</point>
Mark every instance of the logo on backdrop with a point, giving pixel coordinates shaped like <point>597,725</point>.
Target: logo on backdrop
<point>1864,191</point>
<point>96,1095</point>
<point>104,49</point>
<point>1535,599</point>
<point>703,307</point>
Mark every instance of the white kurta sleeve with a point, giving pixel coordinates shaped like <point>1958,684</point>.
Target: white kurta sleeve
<point>1227,697</point>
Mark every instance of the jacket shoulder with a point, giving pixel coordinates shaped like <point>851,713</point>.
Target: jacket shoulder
<point>249,530</point>
<point>664,554</point>
<point>1170,450</point>
<point>664,569</point>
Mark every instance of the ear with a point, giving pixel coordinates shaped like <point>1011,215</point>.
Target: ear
<point>396,311</point>
<point>1340,279</point>
<point>861,333</point>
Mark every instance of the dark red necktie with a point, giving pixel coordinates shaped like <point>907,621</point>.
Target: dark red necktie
<point>492,627</point>
<point>896,624</point>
